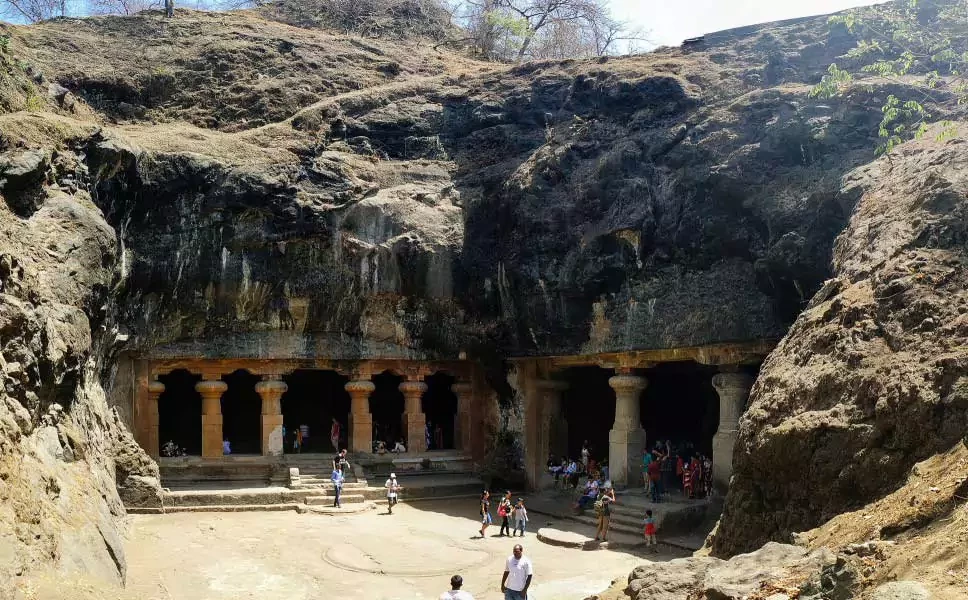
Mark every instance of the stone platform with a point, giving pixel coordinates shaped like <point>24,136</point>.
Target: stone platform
<point>682,523</point>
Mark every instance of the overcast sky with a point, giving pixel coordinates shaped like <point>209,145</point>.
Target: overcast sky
<point>671,21</point>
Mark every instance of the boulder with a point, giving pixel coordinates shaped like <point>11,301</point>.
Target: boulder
<point>901,590</point>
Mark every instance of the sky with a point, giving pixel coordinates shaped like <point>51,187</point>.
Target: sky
<point>668,22</point>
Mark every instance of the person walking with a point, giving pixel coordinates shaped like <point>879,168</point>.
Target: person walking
<point>603,510</point>
<point>485,511</point>
<point>518,573</point>
<point>455,593</point>
<point>520,517</point>
<point>393,488</point>
<point>504,511</point>
<point>655,481</point>
<point>337,479</point>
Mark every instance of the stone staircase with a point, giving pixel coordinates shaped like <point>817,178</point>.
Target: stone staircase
<point>425,478</point>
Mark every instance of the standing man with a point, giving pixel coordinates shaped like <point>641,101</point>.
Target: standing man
<point>455,592</point>
<point>304,442</point>
<point>169,8</point>
<point>517,575</point>
<point>392,488</point>
<point>337,479</point>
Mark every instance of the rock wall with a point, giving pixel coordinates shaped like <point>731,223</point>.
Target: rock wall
<point>873,375</point>
<point>66,460</point>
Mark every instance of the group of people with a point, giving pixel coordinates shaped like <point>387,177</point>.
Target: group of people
<point>518,573</point>
<point>509,512</point>
<point>568,471</point>
<point>665,467</point>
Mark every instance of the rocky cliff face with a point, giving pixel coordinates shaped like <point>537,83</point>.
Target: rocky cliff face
<point>221,185</point>
<point>873,375</point>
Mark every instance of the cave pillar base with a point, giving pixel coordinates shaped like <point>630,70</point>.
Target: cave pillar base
<point>733,388</point>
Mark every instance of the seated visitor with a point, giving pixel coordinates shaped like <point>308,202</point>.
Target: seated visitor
<point>590,494</point>
<point>226,447</point>
<point>399,447</point>
<point>381,448</point>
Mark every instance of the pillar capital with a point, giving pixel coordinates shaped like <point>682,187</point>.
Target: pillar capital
<point>211,387</point>
<point>156,387</point>
<point>362,386</point>
<point>271,387</point>
<point>732,382</point>
<point>628,383</point>
<point>412,387</point>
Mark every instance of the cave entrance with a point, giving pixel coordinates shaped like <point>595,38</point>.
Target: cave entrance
<point>314,398</point>
<point>180,412</point>
<point>682,406</point>
<point>588,405</point>
<point>439,405</point>
<point>242,413</point>
<point>386,406</point>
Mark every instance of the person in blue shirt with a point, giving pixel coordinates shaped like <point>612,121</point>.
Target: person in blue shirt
<point>337,479</point>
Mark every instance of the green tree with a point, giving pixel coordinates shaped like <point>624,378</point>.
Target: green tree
<point>921,45</point>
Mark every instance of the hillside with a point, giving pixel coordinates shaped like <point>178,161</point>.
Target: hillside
<point>170,186</point>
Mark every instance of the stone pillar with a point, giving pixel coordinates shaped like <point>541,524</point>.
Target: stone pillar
<point>361,421</point>
<point>627,438</point>
<point>211,391</point>
<point>414,421</point>
<point>553,418</point>
<point>733,389</point>
<point>152,443</point>
<point>271,392</point>
<point>463,429</point>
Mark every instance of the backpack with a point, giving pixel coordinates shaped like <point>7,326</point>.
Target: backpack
<point>600,506</point>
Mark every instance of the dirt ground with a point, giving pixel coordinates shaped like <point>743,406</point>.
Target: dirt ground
<point>410,554</point>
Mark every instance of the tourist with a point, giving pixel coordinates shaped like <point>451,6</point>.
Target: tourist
<point>504,511</point>
<point>668,473</point>
<point>646,461</point>
<point>381,448</point>
<point>520,517</point>
<point>427,439</point>
<point>707,475</point>
<point>455,592</point>
<point>438,437</point>
<point>603,510</point>
<point>334,434</point>
<point>655,479</point>
<point>695,470</point>
<point>337,479</point>
<point>297,440</point>
<point>393,488</point>
<point>485,511</point>
<point>518,572</point>
<point>399,447</point>
<point>304,440</point>
<point>226,447</point>
<point>589,496</point>
<point>650,531</point>
<point>339,461</point>
<point>585,452</point>
<point>572,472</point>
<point>687,478</point>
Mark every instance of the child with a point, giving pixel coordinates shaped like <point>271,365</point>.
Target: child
<point>687,478</point>
<point>520,517</point>
<point>650,531</point>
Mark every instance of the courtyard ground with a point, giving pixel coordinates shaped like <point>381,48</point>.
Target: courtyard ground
<point>408,555</point>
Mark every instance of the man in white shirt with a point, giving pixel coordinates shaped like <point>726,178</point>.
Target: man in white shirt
<point>517,575</point>
<point>455,592</point>
<point>392,488</point>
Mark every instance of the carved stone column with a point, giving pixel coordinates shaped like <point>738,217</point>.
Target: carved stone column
<point>463,429</point>
<point>627,438</point>
<point>152,442</point>
<point>733,389</point>
<point>271,392</point>
<point>553,423</point>
<point>361,421</point>
<point>211,391</point>
<point>414,420</point>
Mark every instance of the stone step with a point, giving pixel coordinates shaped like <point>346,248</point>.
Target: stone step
<point>221,508</point>
<point>312,481</point>
<point>343,499</point>
<point>234,497</point>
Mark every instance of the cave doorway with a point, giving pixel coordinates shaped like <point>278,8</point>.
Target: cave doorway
<point>588,405</point>
<point>439,405</point>
<point>386,407</point>
<point>242,413</point>
<point>315,397</point>
<point>681,405</point>
<point>180,412</point>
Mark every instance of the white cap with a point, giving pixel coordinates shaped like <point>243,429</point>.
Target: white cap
<point>393,475</point>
